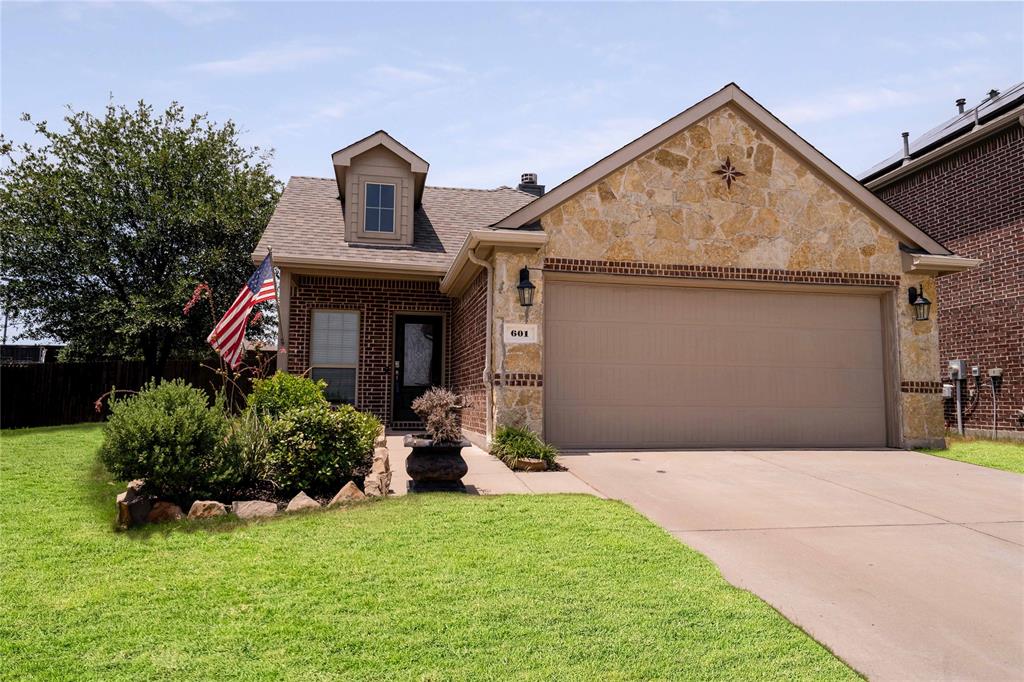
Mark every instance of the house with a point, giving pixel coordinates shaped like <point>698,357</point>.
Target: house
<point>963,182</point>
<point>716,282</point>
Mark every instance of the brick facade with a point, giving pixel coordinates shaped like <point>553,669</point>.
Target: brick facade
<point>973,202</point>
<point>468,351</point>
<point>377,301</point>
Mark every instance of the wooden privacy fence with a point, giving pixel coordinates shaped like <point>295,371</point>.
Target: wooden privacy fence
<point>48,394</point>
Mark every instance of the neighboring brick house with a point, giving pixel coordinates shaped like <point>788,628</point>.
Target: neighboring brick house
<point>716,282</point>
<point>963,183</point>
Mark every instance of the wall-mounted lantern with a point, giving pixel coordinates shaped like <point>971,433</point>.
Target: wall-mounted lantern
<point>922,306</point>
<point>526,288</point>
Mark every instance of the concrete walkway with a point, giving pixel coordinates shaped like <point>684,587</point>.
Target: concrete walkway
<point>908,566</point>
<point>489,476</point>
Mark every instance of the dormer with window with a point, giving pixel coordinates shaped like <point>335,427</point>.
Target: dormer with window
<point>380,182</point>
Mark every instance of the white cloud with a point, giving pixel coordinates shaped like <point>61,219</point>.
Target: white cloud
<point>270,60</point>
<point>403,75</point>
<point>842,103</point>
<point>554,153</point>
<point>194,12</point>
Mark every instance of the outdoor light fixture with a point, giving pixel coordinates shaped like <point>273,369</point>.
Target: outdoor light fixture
<point>922,306</point>
<point>526,288</point>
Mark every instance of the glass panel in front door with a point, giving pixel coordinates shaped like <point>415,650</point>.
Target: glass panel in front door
<point>418,354</point>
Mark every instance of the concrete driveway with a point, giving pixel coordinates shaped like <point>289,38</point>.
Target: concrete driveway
<point>907,566</point>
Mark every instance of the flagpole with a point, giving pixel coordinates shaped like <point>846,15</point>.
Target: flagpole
<point>277,301</point>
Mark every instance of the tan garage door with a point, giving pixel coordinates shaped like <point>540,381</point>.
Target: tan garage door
<point>630,366</point>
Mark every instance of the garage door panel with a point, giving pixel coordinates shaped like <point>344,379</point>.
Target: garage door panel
<point>577,302</point>
<point>661,344</point>
<point>668,386</point>
<point>642,366</point>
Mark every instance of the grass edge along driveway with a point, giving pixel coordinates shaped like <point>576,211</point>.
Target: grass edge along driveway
<point>1004,455</point>
<point>430,587</point>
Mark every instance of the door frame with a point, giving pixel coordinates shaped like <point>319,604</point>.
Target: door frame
<point>887,311</point>
<point>393,347</point>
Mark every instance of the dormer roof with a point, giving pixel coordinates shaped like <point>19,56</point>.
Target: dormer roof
<point>342,160</point>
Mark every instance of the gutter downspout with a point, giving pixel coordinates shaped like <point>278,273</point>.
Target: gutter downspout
<point>489,269</point>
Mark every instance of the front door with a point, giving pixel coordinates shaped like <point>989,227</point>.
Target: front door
<point>418,353</point>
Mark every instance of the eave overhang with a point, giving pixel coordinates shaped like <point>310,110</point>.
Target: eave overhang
<point>932,264</point>
<point>482,243</point>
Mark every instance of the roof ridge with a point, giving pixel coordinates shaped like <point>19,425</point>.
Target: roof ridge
<point>310,177</point>
<point>467,189</point>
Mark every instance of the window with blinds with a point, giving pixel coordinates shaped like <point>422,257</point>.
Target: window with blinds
<point>334,353</point>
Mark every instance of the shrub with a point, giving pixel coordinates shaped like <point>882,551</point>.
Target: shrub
<point>283,392</point>
<point>315,448</point>
<point>438,408</point>
<point>169,435</point>
<point>247,445</point>
<point>512,443</point>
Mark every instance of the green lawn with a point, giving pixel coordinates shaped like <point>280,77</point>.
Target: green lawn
<point>986,453</point>
<point>426,587</point>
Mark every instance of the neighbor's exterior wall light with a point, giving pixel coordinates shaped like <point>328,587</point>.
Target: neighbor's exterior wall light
<point>526,288</point>
<point>922,306</point>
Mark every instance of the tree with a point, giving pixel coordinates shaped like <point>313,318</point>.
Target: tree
<point>109,225</point>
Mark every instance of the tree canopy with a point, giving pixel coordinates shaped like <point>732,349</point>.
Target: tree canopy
<point>112,221</point>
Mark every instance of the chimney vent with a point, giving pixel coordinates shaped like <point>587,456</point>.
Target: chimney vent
<point>960,103</point>
<point>906,145</point>
<point>528,184</point>
<point>993,93</point>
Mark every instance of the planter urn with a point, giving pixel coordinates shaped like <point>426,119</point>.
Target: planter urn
<point>435,467</point>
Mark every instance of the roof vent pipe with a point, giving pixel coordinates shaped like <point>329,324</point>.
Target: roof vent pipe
<point>906,145</point>
<point>993,93</point>
<point>960,103</point>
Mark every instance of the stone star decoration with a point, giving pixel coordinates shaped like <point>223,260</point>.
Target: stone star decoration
<point>728,172</point>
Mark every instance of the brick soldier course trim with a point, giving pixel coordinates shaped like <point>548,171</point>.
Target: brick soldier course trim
<point>518,379</point>
<point>637,268</point>
<point>921,386</point>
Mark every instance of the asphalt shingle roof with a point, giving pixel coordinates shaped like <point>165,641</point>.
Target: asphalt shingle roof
<point>308,223</point>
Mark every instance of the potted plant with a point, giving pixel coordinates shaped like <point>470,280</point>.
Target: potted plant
<point>436,462</point>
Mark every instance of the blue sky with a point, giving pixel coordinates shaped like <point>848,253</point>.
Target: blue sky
<point>487,91</point>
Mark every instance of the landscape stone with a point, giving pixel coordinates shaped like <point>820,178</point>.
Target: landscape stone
<point>301,502</point>
<point>251,509</point>
<point>132,506</point>
<point>204,509</point>
<point>165,511</point>
<point>350,492</point>
<point>378,482</point>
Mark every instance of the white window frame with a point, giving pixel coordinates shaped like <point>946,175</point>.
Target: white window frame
<point>353,366</point>
<point>394,208</point>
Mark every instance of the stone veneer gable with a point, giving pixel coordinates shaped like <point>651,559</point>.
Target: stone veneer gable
<point>666,214</point>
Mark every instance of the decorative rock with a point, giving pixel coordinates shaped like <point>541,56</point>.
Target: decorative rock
<point>301,502</point>
<point>251,509</point>
<point>132,506</point>
<point>204,509</point>
<point>382,440</point>
<point>378,482</point>
<point>165,511</point>
<point>350,492</point>
<point>530,464</point>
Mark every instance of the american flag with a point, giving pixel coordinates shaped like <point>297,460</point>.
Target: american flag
<point>226,338</point>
